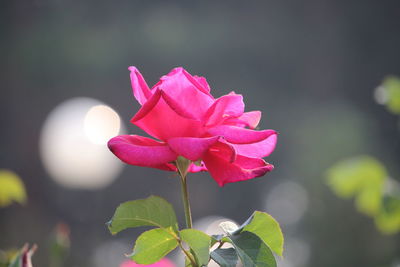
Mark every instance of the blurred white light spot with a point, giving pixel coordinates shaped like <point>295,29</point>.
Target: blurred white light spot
<point>111,253</point>
<point>391,186</point>
<point>380,95</point>
<point>101,123</point>
<point>296,254</point>
<point>73,144</point>
<point>287,202</point>
<point>211,226</point>
<point>228,227</point>
<point>396,263</point>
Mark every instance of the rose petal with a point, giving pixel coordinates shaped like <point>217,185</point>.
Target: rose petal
<point>190,147</point>
<point>194,168</point>
<point>162,263</point>
<point>163,120</point>
<point>238,135</point>
<point>243,168</point>
<point>199,82</point>
<point>259,149</point>
<point>248,119</point>
<point>142,151</point>
<point>223,149</point>
<point>186,91</point>
<point>140,88</point>
<point>184,112</point>
<point>223,108</point>
<point>203,82</point>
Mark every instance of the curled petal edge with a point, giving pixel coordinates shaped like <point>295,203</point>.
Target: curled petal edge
<point>259,149</point>
<point>238,135</point>
<point>142,151</point>
<point>140,88</point>
<point>149,105</point>
<point>243,168</point>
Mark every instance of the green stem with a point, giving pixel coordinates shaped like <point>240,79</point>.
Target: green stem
<point>188,255</point>
<point>185,198</point>
<point>182,165</point>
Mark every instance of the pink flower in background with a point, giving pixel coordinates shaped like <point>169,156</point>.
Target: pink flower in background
<point>188,121</point>
<point>162,263</point>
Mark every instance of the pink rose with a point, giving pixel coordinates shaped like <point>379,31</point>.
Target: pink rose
<point>162,263</point>
<point>188,121</point>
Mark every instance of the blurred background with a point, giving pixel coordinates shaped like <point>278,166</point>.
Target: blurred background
<point>310,66</point>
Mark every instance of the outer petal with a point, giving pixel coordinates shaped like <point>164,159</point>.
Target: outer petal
<point>243,168</point>
<point>259,149</point>
<point>139,86</point>
<point>190,147</point>
<point>186,91</point>
<point>142,151</point>
<point>238,135</point>
<point>248,119</point>
<point>226,106</point>
<point>162,119</point>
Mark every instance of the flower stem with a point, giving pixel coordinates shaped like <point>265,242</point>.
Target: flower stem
<point>186,204</point>
<point>182,165</point>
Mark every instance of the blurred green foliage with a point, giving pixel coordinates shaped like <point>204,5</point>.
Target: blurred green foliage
<point>391,93</point>
<point>361,178</point>
<point>365,179</point>
<point>59,245</point>
<point>58,250</point>
<point>11,188</point>
<point>17,258</point>
<point>388,220</point>
<point>7,256</point>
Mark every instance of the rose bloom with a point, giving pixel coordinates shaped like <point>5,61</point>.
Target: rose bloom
<point>162,263</point>
<point>215,134</point>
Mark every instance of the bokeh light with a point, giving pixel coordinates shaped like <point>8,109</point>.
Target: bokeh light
<point>73,144</point>
<point>110,253</point>
<point>287,202</point>
<point>297,253</point>
<point>101,123</point>
<point>380,95</point>
<point>211,224</point>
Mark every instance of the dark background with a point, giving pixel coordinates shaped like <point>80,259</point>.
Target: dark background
<point>310,66</point>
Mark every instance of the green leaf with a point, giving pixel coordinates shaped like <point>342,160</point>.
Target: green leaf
<point>11,188</point>
<point>252,251</point>
<point>225,257</point>
<point>362,177</point>
<point>200,244</point>
<point>151,246</point>
<point>152,211</point>
<point>267,229</point>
